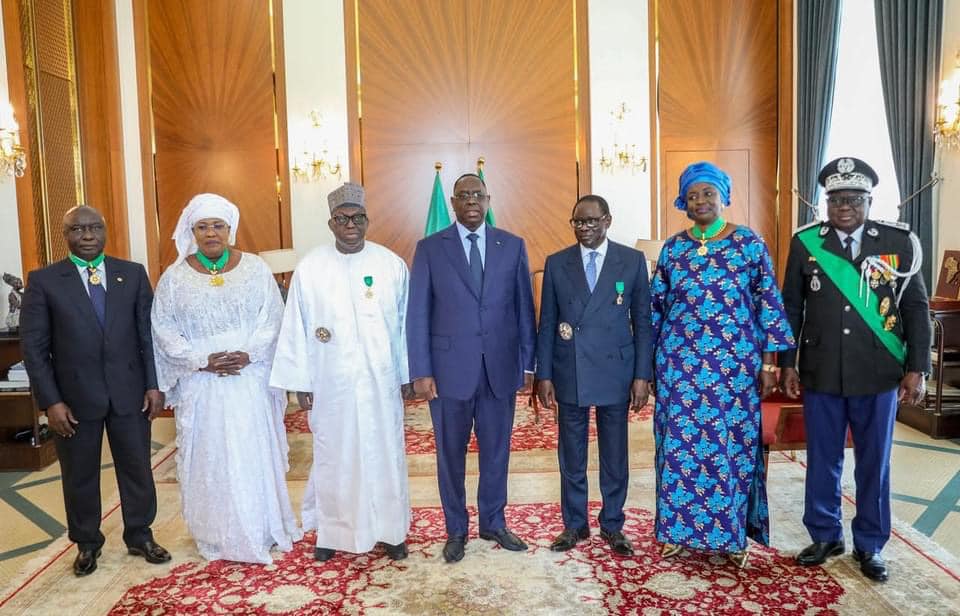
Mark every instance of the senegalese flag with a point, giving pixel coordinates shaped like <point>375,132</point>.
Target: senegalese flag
<point>437,216</point>
<point>490,219</point>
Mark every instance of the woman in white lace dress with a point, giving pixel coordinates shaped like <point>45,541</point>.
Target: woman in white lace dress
<point>216,315</point>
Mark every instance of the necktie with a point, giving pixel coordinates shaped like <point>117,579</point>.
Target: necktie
<point>476,263</point>
<point>98,297</point>
<point>848,247</point>
<point>592,270</point>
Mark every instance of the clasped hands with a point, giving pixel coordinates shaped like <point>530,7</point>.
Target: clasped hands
<point>227,363</point>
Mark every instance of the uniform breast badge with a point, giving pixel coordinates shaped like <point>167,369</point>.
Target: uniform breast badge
<point>566,331</point>
<point>619,286</point>
<point>368,280</point>
<point>323,334</point>
<point>815,283</point>
<point>889,323</point>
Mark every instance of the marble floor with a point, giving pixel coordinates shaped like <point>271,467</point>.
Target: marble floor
<point>925,490</point>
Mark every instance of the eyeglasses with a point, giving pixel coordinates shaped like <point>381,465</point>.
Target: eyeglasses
<point>857,201</point>
<point>589,223</point>
<point>202,227</point>
<point>357,219</point>
<point>464,196</point>
<point>94,228</point>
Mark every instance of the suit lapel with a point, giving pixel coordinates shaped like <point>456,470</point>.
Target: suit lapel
<point>115,278</point>
<point>831,243</point>
<point>493,256</point>
<point>573,266</point>
<point>610,273</point>
<point>77,291</point>
<point>454,249</point>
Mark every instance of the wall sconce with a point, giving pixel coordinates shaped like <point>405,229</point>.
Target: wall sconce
<point>313,167</point>
<point>624,157</point>
<point>946,128</point>
<point>13,160</point>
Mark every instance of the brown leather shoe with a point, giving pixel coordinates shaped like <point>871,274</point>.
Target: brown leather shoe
<point>569,538</point>
<point>151,552</point>
<point>86,562</point>
<point>619,542</point>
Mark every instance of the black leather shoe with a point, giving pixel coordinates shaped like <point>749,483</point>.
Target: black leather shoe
<point>818,552</point>
<point>506,539</point>
<point>150,551</point>
<point>619,542</point>
<point>86,562</point>
<point>871,565</point>
<point>569,538</point>
<point>323,554</point>
<point>453,548</point>
<point>396,552</point>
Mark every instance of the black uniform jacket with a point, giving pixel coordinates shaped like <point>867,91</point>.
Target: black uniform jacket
<point>838,352</point>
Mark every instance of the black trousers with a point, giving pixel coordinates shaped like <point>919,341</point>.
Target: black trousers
<point>80,455</point>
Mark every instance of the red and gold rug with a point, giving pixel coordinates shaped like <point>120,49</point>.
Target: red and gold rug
<point>587,580</point>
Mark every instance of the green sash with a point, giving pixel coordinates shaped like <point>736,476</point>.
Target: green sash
<point>845,277</point>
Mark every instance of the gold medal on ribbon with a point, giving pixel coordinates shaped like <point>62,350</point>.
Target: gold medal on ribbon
<point>702,251</point>
<point>889,323</point>
<point>94,278</point>
<point>884,306</point>
<point>874,284</point>
<point>566,331</point>
<point>323,334</point>
<point>216,280</point>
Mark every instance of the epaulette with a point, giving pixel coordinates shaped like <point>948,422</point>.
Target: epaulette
<point>895,224</point>
<point>815,223</point>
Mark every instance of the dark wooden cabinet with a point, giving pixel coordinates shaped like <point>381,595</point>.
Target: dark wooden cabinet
<point>18,411</point>
<point>940,415</point>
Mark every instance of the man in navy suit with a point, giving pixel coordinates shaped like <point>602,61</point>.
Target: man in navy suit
<point>594,348</point>
<point>471,334</point>
<point>87,347</point>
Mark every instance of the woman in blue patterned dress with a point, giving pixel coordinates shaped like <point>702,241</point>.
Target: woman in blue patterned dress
<point>719,317</point>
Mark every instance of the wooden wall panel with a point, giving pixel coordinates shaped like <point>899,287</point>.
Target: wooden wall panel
<point>212,109</point>
<point>719,91</point>
<point>101,134</point>
<point>452,80</point>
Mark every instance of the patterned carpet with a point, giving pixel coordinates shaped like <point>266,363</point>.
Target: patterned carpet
<point>587,580</point>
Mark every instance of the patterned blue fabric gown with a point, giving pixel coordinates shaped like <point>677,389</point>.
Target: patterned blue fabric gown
<point>715,315</point>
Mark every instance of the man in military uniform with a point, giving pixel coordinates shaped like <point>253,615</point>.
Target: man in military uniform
<point>853,293</point>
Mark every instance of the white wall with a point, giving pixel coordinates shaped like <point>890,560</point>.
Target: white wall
<point>313,35</point>
<point>130,125</point>
<point>619,73</point>
<point>9,223</point>
<point>947,206</point>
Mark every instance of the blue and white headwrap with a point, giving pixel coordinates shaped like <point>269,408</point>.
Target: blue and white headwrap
<point>702,172</point>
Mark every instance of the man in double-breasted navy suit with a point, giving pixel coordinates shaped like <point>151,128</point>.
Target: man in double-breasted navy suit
<point>470,339</point>
<point>594,348</point>
<point>87,347</point>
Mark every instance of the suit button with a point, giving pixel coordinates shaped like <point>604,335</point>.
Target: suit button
<point>846,308</point>
<point>846,331</point>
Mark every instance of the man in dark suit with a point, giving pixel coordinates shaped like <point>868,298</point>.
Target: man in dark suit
<point>470,338</point>
<point>853,292</point>
<point>85,332</point>
<point>594,348</point>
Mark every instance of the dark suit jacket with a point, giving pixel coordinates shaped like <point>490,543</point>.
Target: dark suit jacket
<point>839,353</point>
<point>451,327</point>
<point>612,343</point>
<point>69,358</point>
